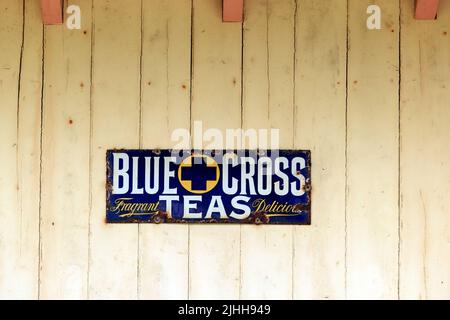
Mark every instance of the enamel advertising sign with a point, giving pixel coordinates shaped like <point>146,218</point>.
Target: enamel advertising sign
<point>189,186</point>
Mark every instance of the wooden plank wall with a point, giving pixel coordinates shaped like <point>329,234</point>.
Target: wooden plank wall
<point>425,147</point>
<point>320,111</point>
<point>214,252</point>
<point>65,163</point>
<point>372,105</point>
<point>372,153</point>
<point>268,104</point>
<point>20,122</point>
<point>165,106</point>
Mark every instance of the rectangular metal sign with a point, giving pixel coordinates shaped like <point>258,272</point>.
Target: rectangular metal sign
<point>189,186</point>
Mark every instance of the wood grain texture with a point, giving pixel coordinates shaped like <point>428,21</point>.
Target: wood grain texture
<point>320,102</point>
<point>29,150</point>
<point>214,260</point>
<point>163,249</point>
<point>268,91</point>
<point>18,230</point>
<point>425,156</point>
<point>65,160</point>
<point>11,34</point>
<point>124,81</point>
<point>372,159</point>
<point>115,124</point>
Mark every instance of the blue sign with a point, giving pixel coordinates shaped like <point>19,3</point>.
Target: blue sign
<point>189,186</point>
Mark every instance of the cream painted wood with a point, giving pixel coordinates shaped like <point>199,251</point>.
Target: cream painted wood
<point>14,237</point>
<point>83,257</point>
<point>166,62</point>
<point>320,92</point>
<point>65,160</point>
<point>372,161</point>
<point>10,230</point>
<point>29,151</point>
<point>268,91</point>
<point>214,259</point>
<point>425,156</point>
<point>115,109</point>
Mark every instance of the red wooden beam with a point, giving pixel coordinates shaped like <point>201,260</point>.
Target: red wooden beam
<point>52,12</point>
<point>426,9</point>
<point>233,10</point>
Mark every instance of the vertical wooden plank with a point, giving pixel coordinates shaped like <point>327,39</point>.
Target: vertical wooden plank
<point>268,72</point>
<point>11,28</point>
<point>18,230</point>
<point>115,124</point>
<point>29,148</point>
<point>373,147</point>
<point>425,156</point>
<point>65,160</point>
<point>216,101</point>
<point>166,61</point>
<point>320,98</point>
